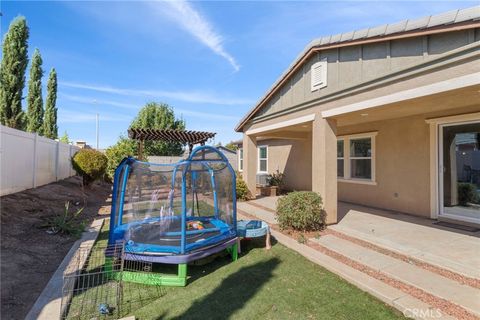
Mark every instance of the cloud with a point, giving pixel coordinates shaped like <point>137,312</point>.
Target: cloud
<point>90,101</point>
<point>186,96</point>
<point>192,21</point>
<point>94,101</point>
<point>67,116</point>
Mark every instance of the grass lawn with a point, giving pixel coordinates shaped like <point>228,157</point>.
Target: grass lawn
<point>274,284</point>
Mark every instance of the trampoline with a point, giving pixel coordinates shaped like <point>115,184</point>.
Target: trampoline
<point>175,213</point>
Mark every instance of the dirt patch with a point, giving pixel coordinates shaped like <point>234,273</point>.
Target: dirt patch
<point>29,255</point>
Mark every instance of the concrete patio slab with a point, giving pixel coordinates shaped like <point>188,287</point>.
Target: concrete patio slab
<point>451,249</point>
<point>262,214</point>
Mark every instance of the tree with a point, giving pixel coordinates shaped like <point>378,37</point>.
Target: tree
<point>65,138</point>
<point>50,128</point>
<point>232,146</point>
<point>12,73</point>
<point>159,116</point>
<point>34,98</point>
<point>123,148</point>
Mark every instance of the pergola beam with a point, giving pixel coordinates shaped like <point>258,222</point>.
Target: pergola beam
<point>185,137</point>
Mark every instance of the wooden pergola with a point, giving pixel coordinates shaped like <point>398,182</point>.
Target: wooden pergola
<point>185,137</point>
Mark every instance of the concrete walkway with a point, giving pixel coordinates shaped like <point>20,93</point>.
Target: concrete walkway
<point>423,267</point>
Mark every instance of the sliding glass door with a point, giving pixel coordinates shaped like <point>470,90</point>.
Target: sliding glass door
<point>459,163</point>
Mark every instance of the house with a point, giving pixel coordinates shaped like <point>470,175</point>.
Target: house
<point>387,117</point>
<point>230,154</point>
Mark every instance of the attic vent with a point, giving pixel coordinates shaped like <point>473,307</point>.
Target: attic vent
<point>319,75</point>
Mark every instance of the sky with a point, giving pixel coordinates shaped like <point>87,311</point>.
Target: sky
<point>211,61</point>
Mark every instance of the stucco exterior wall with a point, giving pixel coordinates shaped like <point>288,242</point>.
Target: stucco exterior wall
<point>402,164</point>
<point>292,157</point>
<point>430,75</point>
<point>350,66</point>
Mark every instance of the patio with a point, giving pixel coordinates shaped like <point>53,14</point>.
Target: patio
<point>452,249</point>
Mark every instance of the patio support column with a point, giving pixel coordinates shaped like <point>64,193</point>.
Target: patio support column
<point>324,164</point>
<point>250,163</point>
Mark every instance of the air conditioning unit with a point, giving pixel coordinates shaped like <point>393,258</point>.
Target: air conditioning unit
<point>262,179</point>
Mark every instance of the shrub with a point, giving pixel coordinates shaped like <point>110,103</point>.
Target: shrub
<point>301,210</point>
<point>467,193</point>
<point>242,190</point>
<point>90,164</point>
<point>277,179</point>
<point>66,223</point>
<point>122,149</point>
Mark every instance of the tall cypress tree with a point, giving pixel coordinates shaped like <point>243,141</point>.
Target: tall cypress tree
<point>50,128</point>
<point>34,98</point>
<point>12,73</point>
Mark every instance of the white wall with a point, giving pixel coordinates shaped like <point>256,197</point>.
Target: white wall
<point>28,160</point>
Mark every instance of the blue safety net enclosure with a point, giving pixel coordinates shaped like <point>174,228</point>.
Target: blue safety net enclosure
<point>175,213</point>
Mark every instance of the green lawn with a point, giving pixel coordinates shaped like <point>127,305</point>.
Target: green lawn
<point>274,284</point>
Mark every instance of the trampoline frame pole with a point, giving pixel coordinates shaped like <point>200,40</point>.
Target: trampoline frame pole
<point>215,196</point>
<point>184,211</point>
<point>122,195</point>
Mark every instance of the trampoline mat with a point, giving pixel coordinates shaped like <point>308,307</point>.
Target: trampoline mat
<point>151,233</point>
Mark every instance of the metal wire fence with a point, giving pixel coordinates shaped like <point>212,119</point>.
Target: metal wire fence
<point>93,287</point>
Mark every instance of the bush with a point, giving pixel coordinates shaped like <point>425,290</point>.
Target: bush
<point>90,164</point>
<point>66,223</point>
<point>242,190</point>
<point>467,193</point>
<point>277,179</point>
<point>122,149</point>
<point>301,210</point>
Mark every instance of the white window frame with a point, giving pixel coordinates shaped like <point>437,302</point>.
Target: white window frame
<point>258,156</point>
<point>346,158</point>
<point>341,158</point>
<point>240,159</point>
<point>321,78</point>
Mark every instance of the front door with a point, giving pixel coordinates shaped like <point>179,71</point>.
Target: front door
<point>459,163</point>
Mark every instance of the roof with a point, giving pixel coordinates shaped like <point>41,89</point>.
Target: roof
<point>406,28</point>
<point>226,149</point>
<point>185,137</point>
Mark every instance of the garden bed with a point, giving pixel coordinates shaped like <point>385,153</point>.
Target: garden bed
<point>29,255</point>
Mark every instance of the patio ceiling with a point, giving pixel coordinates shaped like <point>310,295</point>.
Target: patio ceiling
<point>464,97</point>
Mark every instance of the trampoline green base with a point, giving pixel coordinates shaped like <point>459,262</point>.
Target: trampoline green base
<point>158,279</point>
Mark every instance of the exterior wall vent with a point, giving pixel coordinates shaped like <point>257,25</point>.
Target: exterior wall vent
<point>318,73</point>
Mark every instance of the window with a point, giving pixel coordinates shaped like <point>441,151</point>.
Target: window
<point>340,159</point>
<point>356,158</point>
<point>318,75</point>
<point>240,159</point>
<point>262,159</point>
<point>361,158</point>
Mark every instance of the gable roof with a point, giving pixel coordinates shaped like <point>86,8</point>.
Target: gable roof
<point>226,149</point>
<point>447,21</point>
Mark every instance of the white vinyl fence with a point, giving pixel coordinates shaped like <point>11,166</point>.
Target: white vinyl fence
<point>28,160</point>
